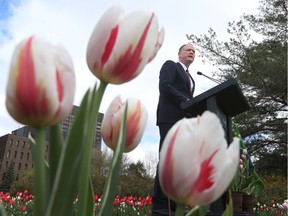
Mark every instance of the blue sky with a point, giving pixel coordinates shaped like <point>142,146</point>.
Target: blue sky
<point>70,23</point>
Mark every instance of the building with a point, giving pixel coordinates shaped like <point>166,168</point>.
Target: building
<point>15,147</point>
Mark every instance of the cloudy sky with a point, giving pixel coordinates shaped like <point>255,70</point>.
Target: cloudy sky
<point>70,23</point>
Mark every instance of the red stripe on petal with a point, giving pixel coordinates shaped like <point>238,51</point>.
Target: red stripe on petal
<point>26,89</point>
<point>59,86</point>
<point>167,176</point>
<point>128,63</point>
<point>133,125</point>
<point>205,178</point>
<point>110,44</point>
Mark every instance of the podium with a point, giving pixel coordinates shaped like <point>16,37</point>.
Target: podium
<point>226,100</point>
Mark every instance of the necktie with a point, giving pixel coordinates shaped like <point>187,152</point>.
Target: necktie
<point>190,80</point>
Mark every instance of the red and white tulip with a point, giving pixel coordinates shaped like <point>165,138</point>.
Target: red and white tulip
<point>121,45</point>
<point>196,167</point>
<point>41,83</point>
<point>135,123</point>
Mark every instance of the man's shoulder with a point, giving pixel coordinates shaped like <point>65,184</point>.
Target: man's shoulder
<point>170,62</point>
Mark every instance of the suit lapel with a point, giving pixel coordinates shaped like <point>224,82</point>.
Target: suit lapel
<point>181,70</point>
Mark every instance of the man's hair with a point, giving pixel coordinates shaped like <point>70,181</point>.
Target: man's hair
<point>181,48</point>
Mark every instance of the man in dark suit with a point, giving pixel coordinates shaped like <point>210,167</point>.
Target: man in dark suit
<point>176,86</point>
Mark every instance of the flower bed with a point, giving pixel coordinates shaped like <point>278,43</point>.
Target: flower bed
<point>22,204</point>
<point>272,208</point>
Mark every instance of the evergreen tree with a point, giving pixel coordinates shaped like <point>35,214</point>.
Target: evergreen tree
<point>8,178</point>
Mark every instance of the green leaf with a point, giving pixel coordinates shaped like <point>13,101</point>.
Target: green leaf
<point>86,151</point>
<point>229,210</point>
<point>113,178</point>
<point>66,181</point>
<point>2,210</point>
<point>255,184</point>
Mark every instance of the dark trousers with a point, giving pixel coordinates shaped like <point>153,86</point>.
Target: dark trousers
<point>160,202</point>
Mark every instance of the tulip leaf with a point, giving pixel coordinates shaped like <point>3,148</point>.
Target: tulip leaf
<point>229,209</point>
<point>2,210</point>
<point>113,178</point>
<point>66,181</point>
<point>84,174</point>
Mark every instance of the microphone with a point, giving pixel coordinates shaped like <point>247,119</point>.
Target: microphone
<point>214,80</point>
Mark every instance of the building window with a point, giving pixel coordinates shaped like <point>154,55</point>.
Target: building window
<point>23,145</point>
<point>26,165</point>
<point>17,143</point>
<point>15,154</point>
<point>28,156</point>
<point>6,165</point>
<point>19,166</point>
<point>21,156</point>
<point>11,142</point>
<point>8,154</point>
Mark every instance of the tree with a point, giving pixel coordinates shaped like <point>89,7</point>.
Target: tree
<point>8,178</point>
<point>135,181</point>
<point>25,182</point>
<point>101,162</point>
<point>136,169</point>
<point>256,56</point>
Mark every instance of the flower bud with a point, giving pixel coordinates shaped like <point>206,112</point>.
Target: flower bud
<point>41,83</point>
<point>135,123</point>
<point>121,45</point>
<point>194,158</point>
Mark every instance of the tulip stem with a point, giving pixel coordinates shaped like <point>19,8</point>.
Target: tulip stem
<point>180,209</point>
<point>41,187</point>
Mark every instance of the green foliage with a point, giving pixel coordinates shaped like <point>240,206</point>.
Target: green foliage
<point>8,178</point>
<point>275,189</point>
<point>135,185</point>
<point>133,181</point>
<point>25,182</point>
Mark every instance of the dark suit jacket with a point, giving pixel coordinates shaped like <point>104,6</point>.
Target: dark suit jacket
<point>174,88</point>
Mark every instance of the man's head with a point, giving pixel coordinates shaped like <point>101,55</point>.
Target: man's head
<point>186,54</point>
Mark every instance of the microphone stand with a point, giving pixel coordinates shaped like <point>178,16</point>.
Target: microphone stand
<point>210,78</point>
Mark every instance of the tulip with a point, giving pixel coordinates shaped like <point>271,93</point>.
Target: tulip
<point>135,123</point>
<point>195,166</point>
<point>41,83</point>
<point>121,45</point>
